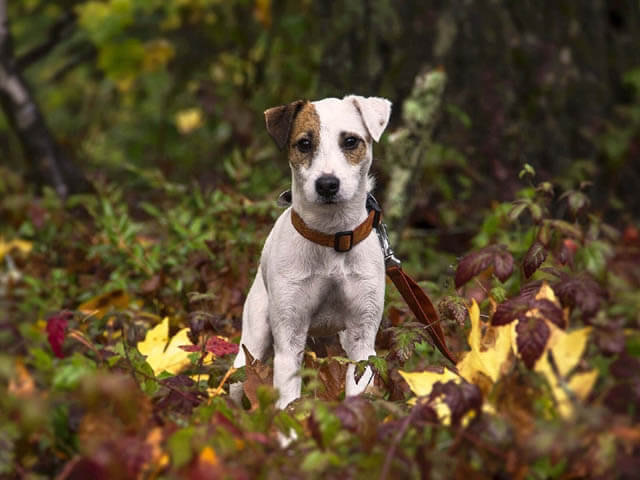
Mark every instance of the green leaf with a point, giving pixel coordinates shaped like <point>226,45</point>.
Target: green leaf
<point>179,445</point>
<point>379,366</point>
<point>71,370</point>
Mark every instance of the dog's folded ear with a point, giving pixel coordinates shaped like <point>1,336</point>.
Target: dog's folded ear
<point>279,121</point>
<point>375,112</point>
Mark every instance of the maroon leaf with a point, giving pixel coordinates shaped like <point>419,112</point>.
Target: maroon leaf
<point>57,330</point>
<point>532,335</point>
<point>220,347</point>
<point>190,348</point>
<point>503,264</point>
<point>549,311</point>
<point>215,345</point>
<point>530,290</point>
<point>512,309</point>
<point>359,417</point>
<point>533,258</point>
<point>478,261</point>
<point>610,340</point>
<point>179,395</point>
<point>625,367</point>
<point>516,308</point>
<point>580,291</point>
<point>460,398</point>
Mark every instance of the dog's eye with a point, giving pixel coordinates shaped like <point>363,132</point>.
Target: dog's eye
<point>304,145</point>
<point>350,143</point>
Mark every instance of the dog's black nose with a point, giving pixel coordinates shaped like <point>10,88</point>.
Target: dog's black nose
<point>327,185</point>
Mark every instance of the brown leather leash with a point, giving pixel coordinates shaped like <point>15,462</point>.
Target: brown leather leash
<point>414,296</point>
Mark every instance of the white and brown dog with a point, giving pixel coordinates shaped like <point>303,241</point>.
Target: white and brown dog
<point>305,289</point>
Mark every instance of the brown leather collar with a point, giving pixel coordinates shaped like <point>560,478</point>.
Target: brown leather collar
<point>341,241</point>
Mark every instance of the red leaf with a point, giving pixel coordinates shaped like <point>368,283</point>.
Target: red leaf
<point>533,258</point>
<point>220,347</point>
<point>532,335</point>
<point>57,331</point>
<point>478,261</point>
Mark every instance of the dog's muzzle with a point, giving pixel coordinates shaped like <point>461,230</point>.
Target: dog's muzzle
<point>327,186</point>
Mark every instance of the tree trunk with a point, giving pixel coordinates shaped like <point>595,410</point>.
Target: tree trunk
<point>48,163</point>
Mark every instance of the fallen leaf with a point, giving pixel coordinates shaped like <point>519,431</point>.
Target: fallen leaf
<point>23,246</point>
<point>101,304</point>
<point>258,374</point>
<point>208,457</point>
<point>172,358</point>
<point>188,120</point>
<point>21,383</point>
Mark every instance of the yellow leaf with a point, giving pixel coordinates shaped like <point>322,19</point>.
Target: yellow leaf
<point>188,120</point>
<point>157,54</point>
<point>421,383</point>
<point>21,384</point>
<point>101,304</point>
<point>484,360</point>
<point>21,245</point>
<point>171,359</point>
<point>547,293</point>
<point>582,383</point>
<point>567,349</point>
<point>208,456</point>
<point>262,12</point>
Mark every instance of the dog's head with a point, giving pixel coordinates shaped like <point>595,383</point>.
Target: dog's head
<point>329,143</point>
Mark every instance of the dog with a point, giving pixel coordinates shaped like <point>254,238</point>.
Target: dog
<point>305,289</point>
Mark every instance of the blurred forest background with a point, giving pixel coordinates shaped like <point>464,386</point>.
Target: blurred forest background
<point>179,86</point>
<point>137,185</point>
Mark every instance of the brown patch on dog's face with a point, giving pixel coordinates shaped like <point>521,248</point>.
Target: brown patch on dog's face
<point>279,121</point>
<point>354,147</point>
<point>305,136</point>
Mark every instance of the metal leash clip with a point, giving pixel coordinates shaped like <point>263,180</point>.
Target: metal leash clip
<point>390,260</point>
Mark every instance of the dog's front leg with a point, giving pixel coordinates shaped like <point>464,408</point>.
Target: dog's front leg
<point>290,324</point>
<point>359,343</point>
<point>366,300</point>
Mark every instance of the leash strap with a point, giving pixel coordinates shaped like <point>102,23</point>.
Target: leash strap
<point>421,306</point>
<point>414,296</point>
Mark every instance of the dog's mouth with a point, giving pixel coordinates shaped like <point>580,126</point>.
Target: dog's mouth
<point>332,200</point>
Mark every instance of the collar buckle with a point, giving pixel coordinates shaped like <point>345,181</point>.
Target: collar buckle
<point>337,241</point>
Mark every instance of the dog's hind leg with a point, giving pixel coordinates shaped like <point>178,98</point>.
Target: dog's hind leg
<point>256,333</point>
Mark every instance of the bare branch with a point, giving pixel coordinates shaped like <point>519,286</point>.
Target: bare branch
<point>60,30</point>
